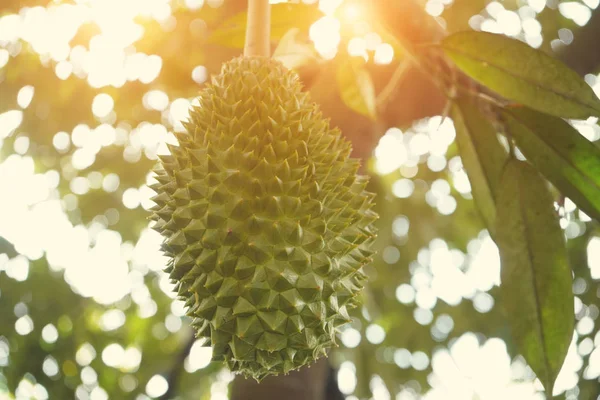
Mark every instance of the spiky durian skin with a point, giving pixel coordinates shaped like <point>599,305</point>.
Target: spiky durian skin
<point>266,222</point>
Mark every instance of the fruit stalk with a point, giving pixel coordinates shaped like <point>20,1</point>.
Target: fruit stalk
<point>258,29</point>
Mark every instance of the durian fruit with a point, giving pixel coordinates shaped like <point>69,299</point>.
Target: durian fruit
<point>265,220</point>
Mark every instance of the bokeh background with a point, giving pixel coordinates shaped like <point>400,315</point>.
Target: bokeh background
<point>90,93</point>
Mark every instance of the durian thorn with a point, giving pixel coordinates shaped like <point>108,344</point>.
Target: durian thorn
<point>258,29</point>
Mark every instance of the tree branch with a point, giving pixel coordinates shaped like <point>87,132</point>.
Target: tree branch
<point>390,88</point>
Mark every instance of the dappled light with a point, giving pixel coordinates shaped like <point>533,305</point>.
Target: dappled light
<point>93,92</point>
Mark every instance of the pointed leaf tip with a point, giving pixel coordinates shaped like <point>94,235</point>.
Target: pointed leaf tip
<point>523,74</point>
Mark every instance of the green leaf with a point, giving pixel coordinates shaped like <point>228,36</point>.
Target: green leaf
<point>561,153</point>
<point>482,155</point>
<point>356,87</point>
<point>232,32</point>
<point>536,277</point>
<point>520,73</point>
<point>292,52</point>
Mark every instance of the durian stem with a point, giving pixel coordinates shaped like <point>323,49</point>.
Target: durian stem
<point>258,29</point>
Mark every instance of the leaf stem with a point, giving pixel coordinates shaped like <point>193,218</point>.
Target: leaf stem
<point>390,88</point>
<point>258,29</point>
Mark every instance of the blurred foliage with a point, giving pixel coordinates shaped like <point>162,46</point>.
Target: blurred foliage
<point>58,343</point>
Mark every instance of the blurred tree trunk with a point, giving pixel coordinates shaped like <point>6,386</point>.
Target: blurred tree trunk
<point>308,383</point>
<point>583,55</point>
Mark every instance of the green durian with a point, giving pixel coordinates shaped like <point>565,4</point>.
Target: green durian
<point>266,222</point>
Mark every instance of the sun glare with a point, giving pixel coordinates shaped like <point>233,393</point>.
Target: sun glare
<point>352,12</point>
